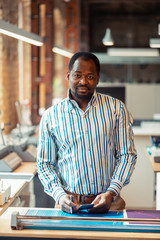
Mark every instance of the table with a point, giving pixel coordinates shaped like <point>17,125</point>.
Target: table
<point>6,231</point>
<point>156,169</point>
<point>25,168</point>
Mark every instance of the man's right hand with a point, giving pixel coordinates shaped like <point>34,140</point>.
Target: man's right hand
<point>67,205</point>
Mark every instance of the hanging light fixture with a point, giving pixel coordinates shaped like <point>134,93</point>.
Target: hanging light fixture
<point>107,39</point>
<point>12,30</point>
<point>62,51</point>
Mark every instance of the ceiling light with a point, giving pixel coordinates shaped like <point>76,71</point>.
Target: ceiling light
<point>107,40</point>
<point>154,42</point>
<point>20,34</point>
<point>62,52</point>
<point>131,52</point>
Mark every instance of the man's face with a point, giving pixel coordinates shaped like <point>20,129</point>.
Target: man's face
<point>83,79</point>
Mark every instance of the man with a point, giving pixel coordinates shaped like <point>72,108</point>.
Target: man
<point>86,150</point>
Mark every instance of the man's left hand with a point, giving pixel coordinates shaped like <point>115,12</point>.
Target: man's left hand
<point>102,203</point>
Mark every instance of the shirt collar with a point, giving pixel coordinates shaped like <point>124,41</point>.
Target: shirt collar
<point>93,99</point>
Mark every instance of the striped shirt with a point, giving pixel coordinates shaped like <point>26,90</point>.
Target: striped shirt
<point>85,152</point>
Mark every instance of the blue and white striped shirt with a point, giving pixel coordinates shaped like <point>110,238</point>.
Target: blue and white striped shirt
<point>85,152</point>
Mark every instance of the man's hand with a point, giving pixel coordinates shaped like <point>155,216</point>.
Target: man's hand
<point>67,205</point>
<point>102,203</point>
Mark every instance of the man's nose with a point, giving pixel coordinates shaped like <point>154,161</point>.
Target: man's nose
<point>83,79</point>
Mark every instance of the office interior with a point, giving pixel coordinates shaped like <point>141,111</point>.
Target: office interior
<point>33,78</point>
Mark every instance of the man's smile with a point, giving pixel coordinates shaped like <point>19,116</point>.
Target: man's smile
<point>82,88</point>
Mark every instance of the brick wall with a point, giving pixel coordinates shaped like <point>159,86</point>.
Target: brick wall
<point>8,68</point>
<point>15,63</point>
<point>42,80</point>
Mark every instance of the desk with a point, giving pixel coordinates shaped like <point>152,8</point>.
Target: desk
<point>6,231</point>
<point>156,169</point>
<point>25,167</point>
<point>155,165</point>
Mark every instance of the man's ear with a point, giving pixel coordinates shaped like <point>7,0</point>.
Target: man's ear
<point>68,75</point>
<point>98,79</point>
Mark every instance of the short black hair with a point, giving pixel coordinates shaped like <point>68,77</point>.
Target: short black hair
<point>85,56</point>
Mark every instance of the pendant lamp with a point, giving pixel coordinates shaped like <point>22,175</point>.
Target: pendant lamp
<point>107,39</point>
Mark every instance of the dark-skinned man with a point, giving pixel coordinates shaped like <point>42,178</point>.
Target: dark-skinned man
<point>86,151</point>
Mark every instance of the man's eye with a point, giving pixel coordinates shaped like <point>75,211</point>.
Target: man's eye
<point>77,76</point>
<point>90,77</point>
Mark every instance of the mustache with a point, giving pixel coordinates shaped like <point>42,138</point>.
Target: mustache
<point>82,85</point>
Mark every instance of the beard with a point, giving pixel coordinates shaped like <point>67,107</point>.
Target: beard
<point>81,96</point>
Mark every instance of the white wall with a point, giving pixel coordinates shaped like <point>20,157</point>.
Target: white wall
<point>139,193</point>
<point>143,100</point>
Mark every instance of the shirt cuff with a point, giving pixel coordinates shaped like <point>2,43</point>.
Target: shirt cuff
<point>58,192</point>
<point>115,187</point>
